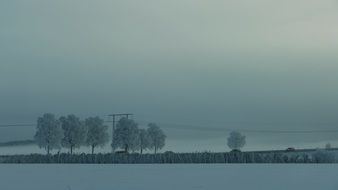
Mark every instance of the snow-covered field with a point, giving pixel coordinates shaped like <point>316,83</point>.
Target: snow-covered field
<point>168,177</point>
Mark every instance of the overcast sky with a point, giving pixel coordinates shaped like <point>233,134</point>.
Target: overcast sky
<point>211,65</point>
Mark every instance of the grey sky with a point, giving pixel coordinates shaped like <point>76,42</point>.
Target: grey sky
<point>254,64</point>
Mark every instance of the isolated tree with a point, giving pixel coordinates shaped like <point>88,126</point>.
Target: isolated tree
<point>97,132</point>
<point>157,137</point>
<point>126,135</point>
<point>328,146</point>
<point>144,140</point>
<point>49,132</point>
<point>74,132</point>
<point>236,140</point>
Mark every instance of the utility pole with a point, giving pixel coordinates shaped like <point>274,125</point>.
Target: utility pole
<point>115,117</point>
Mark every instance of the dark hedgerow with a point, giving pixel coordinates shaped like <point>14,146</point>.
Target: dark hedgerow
<point>170,158</point>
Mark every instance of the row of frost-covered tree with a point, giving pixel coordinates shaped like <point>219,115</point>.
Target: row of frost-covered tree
<point>71,132</point>
<point>129,137</point>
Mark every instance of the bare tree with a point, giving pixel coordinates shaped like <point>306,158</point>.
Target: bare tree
<point>126,135</point>
<point>97,132</point>
<point>328,146</point>
<point>74,132</point>
<point>49,132</point>
<point>157,137</point>
<point>236,140</point>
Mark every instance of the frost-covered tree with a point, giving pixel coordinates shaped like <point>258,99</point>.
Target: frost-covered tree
<point>97,132</point>
<point>144,140</point>
<point>157,137</point>
<point>49,132</point>
<point>328,146</point>
<point>126,135</point>
<point>74,132</point>
<point>236,140</point>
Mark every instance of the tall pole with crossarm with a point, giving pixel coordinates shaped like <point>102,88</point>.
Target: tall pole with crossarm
<point>115,117</point>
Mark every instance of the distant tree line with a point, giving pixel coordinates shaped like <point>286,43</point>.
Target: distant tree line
<point>70,132</point>
<point>17,143</point>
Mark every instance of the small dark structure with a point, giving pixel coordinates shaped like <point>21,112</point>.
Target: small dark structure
<point>121,152</point>
<point>235,151</point>
<point>290,149</point>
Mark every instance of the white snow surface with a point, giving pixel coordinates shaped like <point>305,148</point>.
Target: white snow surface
<point>169,177</point>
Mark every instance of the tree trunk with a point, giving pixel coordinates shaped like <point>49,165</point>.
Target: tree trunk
<point>126,148</point>
<point>141,150</point>
<point>155,149</point>
<point>48,149</point>
<point>93,149</point>
<point>71,149</point>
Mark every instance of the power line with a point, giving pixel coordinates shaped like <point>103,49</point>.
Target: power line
<point>16,125</point>
<point>115,117</point>
<point>210,127</point>
<point>179,126</point>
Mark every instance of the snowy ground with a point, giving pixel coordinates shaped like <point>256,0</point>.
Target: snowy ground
<point>168,177</point>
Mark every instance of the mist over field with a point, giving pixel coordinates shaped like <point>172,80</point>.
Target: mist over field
<point>197,68</point>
